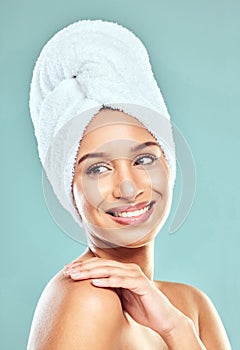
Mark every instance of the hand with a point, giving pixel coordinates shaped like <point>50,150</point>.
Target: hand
<point>139,296</point>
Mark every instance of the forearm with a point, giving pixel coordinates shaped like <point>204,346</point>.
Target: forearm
<point>183,336</point>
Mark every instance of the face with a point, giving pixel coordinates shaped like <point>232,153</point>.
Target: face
<point>121,182</point>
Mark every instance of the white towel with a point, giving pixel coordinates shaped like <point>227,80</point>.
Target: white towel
<point>83,67</point>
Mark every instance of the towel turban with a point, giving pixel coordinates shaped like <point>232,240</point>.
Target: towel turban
<point>87,65</point>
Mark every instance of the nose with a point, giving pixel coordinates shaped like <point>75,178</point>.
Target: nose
<point>126,187</point>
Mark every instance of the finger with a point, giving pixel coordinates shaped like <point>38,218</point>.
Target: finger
<point>96,262</point>
<point>76,264</point>
<point>101,272</point>
<point>78,261</point>
<point>136,285</point>
<point>82,271</point>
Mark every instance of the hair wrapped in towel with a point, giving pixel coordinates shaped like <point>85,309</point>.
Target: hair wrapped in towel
<point>85,66</point>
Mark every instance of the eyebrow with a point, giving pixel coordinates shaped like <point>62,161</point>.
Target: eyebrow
<point>103,154</point>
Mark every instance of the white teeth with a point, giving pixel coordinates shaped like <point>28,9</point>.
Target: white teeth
<point>130,214</point>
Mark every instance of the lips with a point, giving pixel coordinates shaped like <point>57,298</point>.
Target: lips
<point>134,214</point>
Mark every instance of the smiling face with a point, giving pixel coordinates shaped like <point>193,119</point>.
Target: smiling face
<point>121,182</point>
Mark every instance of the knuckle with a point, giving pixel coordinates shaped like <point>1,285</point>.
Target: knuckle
<point>143,279</point>
<point>77,262</point>
<point>133,266</point>
<point>105,272</point>
<point>115,279</point>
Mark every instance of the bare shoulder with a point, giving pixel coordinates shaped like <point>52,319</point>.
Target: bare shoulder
<point>182,296</point>
<point>65,312</point>
<point>196,305</point>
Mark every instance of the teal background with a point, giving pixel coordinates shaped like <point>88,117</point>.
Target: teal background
<point>194,51</point>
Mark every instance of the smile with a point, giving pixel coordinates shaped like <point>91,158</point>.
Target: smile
<point>127,216</point>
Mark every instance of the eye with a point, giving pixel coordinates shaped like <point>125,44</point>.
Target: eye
<point>145,159</point>
<point>97,169</point>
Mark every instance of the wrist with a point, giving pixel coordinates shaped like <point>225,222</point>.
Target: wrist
<point>182,334</point>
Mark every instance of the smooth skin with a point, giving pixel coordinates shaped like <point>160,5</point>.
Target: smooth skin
<point>107,299</point>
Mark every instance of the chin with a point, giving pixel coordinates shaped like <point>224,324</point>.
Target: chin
<point>103,232</point>
<point>123,236</point>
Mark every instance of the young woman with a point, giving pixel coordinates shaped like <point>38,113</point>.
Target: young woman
<point>121,190</point>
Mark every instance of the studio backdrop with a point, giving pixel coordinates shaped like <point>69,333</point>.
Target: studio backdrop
<point>194,52</point>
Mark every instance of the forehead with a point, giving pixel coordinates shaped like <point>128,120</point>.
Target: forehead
<point>110,126</point>
<point>110,117</point>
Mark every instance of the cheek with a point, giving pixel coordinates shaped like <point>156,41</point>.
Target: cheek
<point>159,179</point>
<point>78,197</point>
<point>87,194</point>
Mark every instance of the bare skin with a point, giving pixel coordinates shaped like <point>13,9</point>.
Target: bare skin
<point>107,298</point>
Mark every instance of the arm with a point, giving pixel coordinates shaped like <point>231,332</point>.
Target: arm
<point>145,303</point>
<point>76,316</point>
<point>211,329</point>
<point>197,306</point>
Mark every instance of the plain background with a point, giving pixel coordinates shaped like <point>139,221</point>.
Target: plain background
<point>194,51</point>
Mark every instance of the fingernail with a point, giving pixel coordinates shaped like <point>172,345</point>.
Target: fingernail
<point>66,273</point>
<point>76,274</point>
<point>96,281</point>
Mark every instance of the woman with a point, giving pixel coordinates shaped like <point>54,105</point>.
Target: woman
<point>120,190</point>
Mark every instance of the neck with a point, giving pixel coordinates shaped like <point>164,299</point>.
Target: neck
<point>142,256</point>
